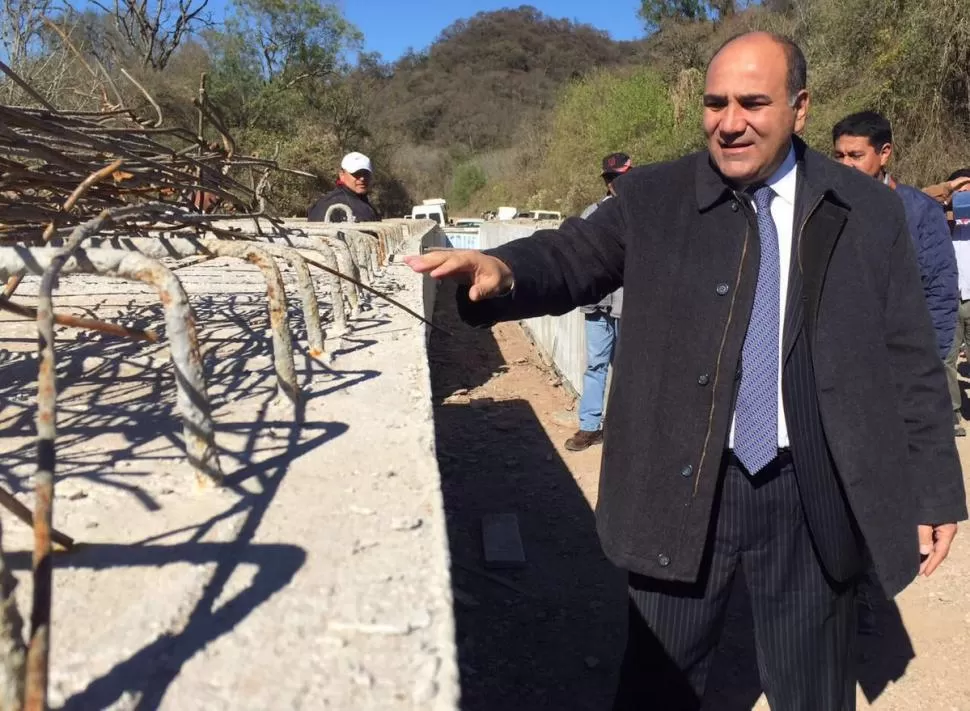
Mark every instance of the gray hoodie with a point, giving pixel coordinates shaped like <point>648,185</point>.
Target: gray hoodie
<point>611,303</point>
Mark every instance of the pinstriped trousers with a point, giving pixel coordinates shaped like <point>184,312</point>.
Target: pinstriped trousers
<point>804,624</point>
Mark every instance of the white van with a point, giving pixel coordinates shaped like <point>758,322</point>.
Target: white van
<point>433,209</point>
<point>540,215</point>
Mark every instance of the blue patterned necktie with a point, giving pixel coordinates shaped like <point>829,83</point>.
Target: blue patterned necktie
<point>756,412</point>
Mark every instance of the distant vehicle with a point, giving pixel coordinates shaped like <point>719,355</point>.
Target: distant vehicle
<point>540,215</point>
<point>468,222</point>
<point>432,209</point>
<point>506,213</point>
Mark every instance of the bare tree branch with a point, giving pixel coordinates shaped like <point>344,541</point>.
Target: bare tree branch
<point>155,30</point>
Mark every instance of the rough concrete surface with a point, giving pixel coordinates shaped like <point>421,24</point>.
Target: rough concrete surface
<point>316,578</point>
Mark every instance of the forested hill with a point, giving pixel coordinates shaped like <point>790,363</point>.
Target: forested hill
<point>484,77</point>
<point>505,108</point>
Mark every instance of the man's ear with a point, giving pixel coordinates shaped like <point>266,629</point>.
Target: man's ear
<point>885,153</point>
<point>800,105</point>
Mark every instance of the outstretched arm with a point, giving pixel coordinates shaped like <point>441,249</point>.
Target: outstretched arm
<point>550,272</point>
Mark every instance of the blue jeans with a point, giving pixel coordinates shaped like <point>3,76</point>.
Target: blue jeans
<point>602,331</point>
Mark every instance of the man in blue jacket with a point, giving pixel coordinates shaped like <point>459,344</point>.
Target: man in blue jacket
<point>864,141</point>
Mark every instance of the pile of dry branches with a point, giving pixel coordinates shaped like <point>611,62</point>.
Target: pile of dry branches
<point>49,159</point>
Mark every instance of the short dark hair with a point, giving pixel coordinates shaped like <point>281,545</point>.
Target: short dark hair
<point>962,173</point>
<point>867,124</point>
<point>797,78</point>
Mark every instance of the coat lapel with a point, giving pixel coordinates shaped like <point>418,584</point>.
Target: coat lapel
<point>819,219</point>
<point>821,234</point>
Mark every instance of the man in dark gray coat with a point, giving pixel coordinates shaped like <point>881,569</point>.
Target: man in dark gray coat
<point>794,415</point>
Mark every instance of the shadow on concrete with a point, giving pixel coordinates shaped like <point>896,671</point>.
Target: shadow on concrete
<point>127,392</point>
<point>550,634</point>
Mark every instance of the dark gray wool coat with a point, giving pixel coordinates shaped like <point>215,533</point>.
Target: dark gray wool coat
<point>867,410</point>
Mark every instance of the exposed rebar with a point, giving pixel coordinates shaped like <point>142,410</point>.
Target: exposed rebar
<point>192,396</point>
<point>311,309</point>
<point>276,297</point>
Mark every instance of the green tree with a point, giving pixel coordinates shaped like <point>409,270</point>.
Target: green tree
<point>654,13</point>
<point>274,53</point>
<point>469,179</point>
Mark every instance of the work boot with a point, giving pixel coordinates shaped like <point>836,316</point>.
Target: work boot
<point>584,439</point>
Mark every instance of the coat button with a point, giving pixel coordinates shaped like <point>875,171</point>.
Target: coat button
<point>703,379</point>
<point>734,206</point>
<point>687,470</point>
<point>663,560</point>
<point>722,289</point>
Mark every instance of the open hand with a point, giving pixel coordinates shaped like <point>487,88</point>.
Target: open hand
<point>934,543</point>
<point>487,276</point>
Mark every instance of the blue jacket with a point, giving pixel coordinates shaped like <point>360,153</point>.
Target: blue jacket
<point>937,261</point>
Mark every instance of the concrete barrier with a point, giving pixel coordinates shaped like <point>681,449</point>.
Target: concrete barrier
<point>561,339</point>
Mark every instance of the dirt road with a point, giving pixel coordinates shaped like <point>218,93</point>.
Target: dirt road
<point>550,635</point>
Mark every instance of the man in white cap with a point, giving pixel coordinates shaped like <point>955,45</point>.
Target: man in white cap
<point>353,183</point>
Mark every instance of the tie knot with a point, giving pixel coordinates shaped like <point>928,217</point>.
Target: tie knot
<point>762,197</point>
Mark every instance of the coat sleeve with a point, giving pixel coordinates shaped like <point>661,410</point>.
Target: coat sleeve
<point>917,372</point>
<point>557,270</point>
<point>938,265</point>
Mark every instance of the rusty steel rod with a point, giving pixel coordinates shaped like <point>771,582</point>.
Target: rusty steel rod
<point>13,652</point>
<point>276,298</point>
<point>38,650</point>
<point>192,396</point>
<point>178,247</point>
<point>333,276</point>
<point>78,192</point>
<point>346,265</point>
<point>14,506</point>
<point>341,273</point>
<point>88,324</point>
<point>390,300</point>
<point>311,309</point>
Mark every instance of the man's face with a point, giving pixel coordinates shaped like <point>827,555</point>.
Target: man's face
<point>857,152</point>
<point>747,116</point>
<point>358,182</point>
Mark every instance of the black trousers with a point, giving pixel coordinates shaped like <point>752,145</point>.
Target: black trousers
<point>804,623</point>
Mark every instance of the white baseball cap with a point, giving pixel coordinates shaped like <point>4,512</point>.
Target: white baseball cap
<point>353,162</point>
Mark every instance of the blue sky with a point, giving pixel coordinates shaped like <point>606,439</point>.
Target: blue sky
<point>391,26</point>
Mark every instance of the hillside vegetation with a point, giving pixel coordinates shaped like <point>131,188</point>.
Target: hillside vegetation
<point>508,107</point>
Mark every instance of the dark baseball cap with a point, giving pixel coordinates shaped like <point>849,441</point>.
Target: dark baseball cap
<point>616,163</point>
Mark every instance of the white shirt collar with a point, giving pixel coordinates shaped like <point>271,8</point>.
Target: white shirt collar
<point>782,181</point>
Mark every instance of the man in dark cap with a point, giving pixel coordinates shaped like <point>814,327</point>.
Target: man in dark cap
<point>602,330</point>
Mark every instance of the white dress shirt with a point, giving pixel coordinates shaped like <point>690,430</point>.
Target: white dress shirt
<point>783,181</point>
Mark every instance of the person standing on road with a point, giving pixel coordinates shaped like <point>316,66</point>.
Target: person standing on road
<point>864,141</point>
<point>602,328</point>
<point>775,291</point>
<point>943,193</point>
<point>353,185</point>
